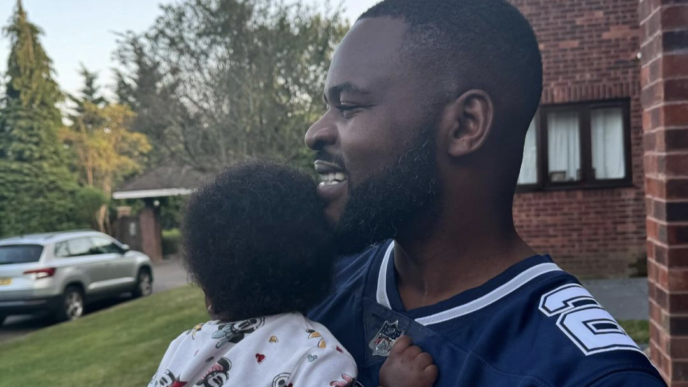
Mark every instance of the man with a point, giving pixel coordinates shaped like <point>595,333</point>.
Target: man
<point>419,153</point>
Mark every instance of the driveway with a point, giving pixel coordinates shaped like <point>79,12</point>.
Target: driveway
<point>168,275</point>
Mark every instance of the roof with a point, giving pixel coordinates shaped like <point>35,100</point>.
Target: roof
<point>47,237</point>
<point>167,179</point>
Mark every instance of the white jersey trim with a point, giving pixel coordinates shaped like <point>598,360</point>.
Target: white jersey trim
<point>381,294</point>
<point>473,306</point>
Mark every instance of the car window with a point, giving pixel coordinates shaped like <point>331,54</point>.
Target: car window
<point>61,250</point>
<point>105,246</point>
<point>20,254</point>
<point>80,246</point>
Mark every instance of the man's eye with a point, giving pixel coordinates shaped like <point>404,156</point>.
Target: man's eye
<point>348,110</point>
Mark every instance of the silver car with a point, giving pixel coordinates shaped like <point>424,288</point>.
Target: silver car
<point>61,272</point>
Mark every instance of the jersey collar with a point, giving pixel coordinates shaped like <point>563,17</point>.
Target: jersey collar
<point>464,303</point>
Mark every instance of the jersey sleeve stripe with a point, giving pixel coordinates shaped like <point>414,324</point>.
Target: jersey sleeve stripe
<point>490,298</point>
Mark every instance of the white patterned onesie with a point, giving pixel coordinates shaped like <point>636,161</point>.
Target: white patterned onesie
<point>286,350</point>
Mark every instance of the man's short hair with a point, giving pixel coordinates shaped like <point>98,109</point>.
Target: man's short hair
<point>483,44</point>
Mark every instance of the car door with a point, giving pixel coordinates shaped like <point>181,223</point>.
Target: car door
<point>122,266</point>
<point>80,254</point>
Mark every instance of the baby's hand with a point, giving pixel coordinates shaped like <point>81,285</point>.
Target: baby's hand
<point>408,365</point>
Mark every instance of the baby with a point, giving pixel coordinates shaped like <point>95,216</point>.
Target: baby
<point>258,244</point>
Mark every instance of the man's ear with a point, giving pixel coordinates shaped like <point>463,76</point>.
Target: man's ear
<point>467,123</point>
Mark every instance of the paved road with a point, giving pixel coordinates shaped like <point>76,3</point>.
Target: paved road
<point>625,299</point>
<point>168,275</point>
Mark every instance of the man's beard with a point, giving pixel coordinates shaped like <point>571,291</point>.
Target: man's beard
<point>393,201</point>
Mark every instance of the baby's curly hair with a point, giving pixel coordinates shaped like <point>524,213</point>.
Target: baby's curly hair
<point>257,242</point>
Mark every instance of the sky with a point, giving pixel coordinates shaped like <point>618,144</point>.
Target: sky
<point>84,31</point>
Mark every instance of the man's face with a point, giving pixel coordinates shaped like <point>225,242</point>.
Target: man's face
<point>375,143</point>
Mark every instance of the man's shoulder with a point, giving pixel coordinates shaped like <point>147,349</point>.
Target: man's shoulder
<point>555,331</point>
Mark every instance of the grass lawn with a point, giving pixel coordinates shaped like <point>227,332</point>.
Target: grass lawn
<point>639,330</point>
<point>121,346</point>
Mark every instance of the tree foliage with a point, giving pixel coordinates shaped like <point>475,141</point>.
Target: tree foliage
<point>105,150</point>
<point>215,81</point>
<point>36,186</point>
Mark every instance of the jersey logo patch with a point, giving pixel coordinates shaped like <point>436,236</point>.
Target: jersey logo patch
<point>383,341</point>
<point>584,321</point>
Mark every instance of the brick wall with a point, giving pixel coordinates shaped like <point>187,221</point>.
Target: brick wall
<point>664,79</point>
<point>589,50</point>
<point>151,232</point>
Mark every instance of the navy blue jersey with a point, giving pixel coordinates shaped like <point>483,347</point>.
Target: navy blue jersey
<point>533,325</point>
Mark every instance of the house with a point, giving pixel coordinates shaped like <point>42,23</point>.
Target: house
<point>581,188</point>
<point>142,231</point>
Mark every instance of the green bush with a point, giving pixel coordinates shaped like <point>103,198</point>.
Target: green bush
<point>88,201</point>
<point>171,240</point>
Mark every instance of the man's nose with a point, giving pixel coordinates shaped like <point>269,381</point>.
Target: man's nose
<point>321,134</point>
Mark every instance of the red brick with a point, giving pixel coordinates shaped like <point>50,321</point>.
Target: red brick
<point>675,17</point>
<point>676,325</point>
<point>674,139</point>
<point>674,189</point>
<point>675,114</point>
<point>673,164</point>
<point>650,142</point>
<point>677,280</point>
<point>674,65</point>
<point>651,228</point>
<point>676,257</point>
<point>675,234</point>
<point>678,303</point>
<point>652,95</point>
<point>679,371</point>
<point>676,90</point>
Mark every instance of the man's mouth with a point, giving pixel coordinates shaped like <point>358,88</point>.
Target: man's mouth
<point>330,174</point>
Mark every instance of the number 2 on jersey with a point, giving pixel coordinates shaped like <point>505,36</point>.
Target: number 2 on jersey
<point>591,328</point>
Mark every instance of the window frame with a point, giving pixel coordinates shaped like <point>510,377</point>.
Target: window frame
<point>587,181</point>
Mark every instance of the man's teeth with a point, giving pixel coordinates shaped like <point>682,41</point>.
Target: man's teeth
<point>332,178</point>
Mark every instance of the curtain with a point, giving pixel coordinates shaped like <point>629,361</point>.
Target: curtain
<point>607,143</point>
<point>528,173</point>
<point>563,140</point>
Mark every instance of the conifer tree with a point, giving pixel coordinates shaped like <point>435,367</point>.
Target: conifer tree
<point>36,185</point>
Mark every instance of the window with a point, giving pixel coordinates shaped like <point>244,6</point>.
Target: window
<point>74,248</point>
<point>61,250</point>
<point>104,246</point>
<point>20,254</point>
<point>577,146</point>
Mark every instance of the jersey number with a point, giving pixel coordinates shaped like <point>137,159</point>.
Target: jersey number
<point>584,321</point>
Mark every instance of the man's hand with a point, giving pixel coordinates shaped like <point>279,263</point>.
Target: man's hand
<point>408,365</point>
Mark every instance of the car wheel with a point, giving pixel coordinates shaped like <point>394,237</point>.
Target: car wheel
<point>72,305</point>
<point>2,319</point>
<point>144,284</point>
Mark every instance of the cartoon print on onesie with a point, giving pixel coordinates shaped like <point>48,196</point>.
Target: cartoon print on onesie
<point>281,380</point>
<point>217,375</point>
<point>235,332</point>
<point>313,334</point>
<point>167,379</point>
<point>195,330</point>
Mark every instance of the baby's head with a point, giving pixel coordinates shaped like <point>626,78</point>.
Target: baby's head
<point>257,241</point>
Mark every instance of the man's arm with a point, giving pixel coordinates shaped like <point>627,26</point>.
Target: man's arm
<point>630,379</point>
